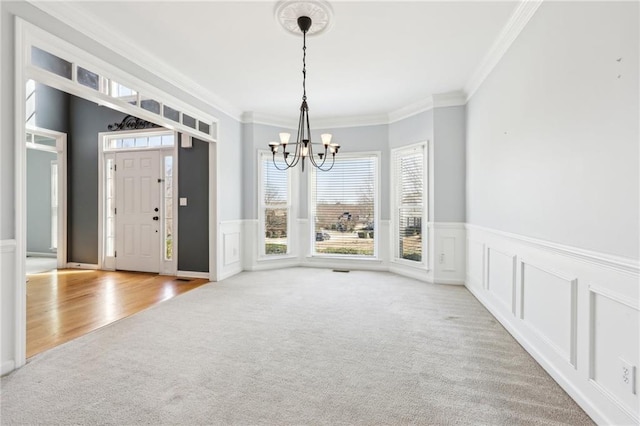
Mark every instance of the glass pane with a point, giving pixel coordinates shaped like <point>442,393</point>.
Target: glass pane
<point>168,207</point>
<point>344,206</point>
<point>204,127</point>
<point>168,140</point>
<point>188,121</point>
<point>128,143</point>
<point>29,138</point>
<point>49,62</point>
<point>117,90</point>
<point>44,140</point>
<point>155,141</point>
<point>30,103</point>
<point>150,105</point>
<point>88,78</point>
<point>410,243</point>
<point>142,142</point>
<point>275,221</point>
<point>171,114</point>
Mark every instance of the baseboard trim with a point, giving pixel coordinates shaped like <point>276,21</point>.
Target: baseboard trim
<point>40,254</point>
<point>575,393</point>
<point>74,265</point>
<point>448,281</point>
<point>229,273</point>
<point>409,272</point>
<point>7,367</point>
<point>193,274</point>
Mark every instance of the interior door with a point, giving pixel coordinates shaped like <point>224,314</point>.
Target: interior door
<point>138,211</point>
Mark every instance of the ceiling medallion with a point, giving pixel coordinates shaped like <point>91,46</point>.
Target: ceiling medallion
<point>288,11</point>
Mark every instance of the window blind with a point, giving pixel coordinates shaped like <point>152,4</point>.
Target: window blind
<point>344,202</point>
<point>409,167</point>
<point>275,205</point>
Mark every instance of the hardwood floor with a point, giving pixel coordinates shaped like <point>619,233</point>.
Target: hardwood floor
<point>65,304</point>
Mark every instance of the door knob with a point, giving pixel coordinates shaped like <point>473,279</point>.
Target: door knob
<point>156,218</point>
<point>155,210</point>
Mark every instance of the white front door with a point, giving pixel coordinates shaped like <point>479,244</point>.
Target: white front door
<point>138,211</point>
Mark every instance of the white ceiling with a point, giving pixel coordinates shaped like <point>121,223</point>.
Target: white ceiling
<point>378,57</point>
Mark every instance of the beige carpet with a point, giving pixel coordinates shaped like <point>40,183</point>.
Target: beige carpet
<point>292,347</point>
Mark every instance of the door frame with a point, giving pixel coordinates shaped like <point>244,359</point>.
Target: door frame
<point>61,158</point>
<point>166,267</point>
<point>28,35</point>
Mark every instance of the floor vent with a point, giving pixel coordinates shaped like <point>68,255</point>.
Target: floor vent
<point>341,270</point>
<point>183,279</point>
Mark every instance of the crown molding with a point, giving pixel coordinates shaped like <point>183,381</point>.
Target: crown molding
<point>319,123</point>
<point>439,100</point>
<point>449,99</point>
<point>514,26</point>
<point>111,39</point>
<point>351,121</point>
<point>411,109</point>
<point>251,117</point>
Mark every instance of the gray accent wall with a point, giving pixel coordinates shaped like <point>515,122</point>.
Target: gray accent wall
<point>414,129</point>
<point>87,119</point>
<point>193,219</point>
<point>39,200</point>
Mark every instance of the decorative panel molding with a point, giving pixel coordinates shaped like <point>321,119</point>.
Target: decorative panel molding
<point>231,233</point>
<point>501,277</point>
<point>554,318</point>
<point>7,313</point>
<point>475,263</point>
<point>614,338</point>
<point>577,313</point>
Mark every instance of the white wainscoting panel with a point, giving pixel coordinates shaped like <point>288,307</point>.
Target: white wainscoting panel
<point>231,240</point>
<point>449,257</point>
<point>615,331</point>
<point>577,312</point>
<point>7,298</point>
<point>501,277</point>
<point>552,318</point>
<point>475,264</point>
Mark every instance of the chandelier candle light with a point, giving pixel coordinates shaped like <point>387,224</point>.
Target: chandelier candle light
<point>303,144</point>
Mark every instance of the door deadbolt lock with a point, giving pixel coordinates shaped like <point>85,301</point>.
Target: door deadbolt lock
<point>155,210</point>
<point>156,218</point>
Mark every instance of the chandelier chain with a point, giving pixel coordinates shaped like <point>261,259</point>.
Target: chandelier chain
<point>304,66</point>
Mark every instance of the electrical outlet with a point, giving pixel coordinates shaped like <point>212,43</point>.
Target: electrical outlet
<point>628,375</point>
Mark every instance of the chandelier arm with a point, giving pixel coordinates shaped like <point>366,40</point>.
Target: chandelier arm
<point>333,160</point>
<point>276,164</point>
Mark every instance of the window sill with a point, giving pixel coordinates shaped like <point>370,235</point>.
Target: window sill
<point>264,258</point>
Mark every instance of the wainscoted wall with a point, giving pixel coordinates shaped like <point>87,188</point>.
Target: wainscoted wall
<point>449,252</point>
<point>576,312</point>
<point>230,254</point>
<point>7,292</point>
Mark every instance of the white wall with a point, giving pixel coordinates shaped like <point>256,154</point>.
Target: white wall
<point>552,134</point>
<point>449,164</point>
<point>552,157</point>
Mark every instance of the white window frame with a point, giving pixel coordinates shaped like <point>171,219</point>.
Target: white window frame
<point>291,211</point>
<point>376,208</point>
<point>396,204</point>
